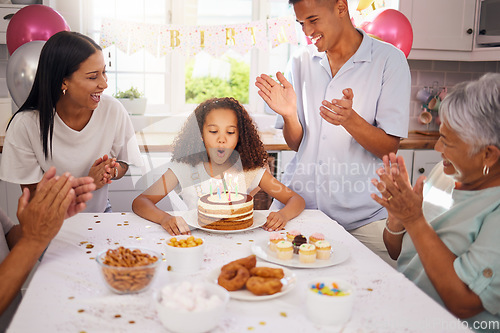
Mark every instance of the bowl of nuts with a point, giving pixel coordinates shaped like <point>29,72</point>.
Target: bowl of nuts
<point>128,271</point>
<point>184,253</point>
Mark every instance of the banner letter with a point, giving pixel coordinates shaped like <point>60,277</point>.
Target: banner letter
<point>174,38</point>
<point>230,33</point>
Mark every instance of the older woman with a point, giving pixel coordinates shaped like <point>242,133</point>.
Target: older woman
<point>68,122</point>
<point>446,234</point>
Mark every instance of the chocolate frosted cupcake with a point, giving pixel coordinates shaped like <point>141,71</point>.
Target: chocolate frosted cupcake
<point>297,242</point>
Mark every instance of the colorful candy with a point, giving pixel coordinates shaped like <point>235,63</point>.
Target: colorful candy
<point>334,290</point>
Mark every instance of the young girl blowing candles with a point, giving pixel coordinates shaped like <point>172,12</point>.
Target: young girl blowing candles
<point>218,141</point>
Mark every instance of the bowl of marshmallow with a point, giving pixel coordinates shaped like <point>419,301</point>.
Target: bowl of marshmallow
<point>191,307</point>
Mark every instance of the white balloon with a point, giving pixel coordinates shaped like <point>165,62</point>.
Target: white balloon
<point>21,70</point>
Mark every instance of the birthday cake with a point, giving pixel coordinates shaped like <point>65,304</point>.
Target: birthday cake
<point>225,212</point>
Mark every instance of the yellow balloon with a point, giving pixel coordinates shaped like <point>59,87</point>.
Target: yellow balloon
<point>363,4</point>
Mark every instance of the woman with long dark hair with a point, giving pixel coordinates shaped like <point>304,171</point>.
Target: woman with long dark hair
<point>68,122</point>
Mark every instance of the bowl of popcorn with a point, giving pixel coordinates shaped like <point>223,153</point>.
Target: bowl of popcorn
<point>128,270</point>
<point>184,253</point>
<point>191,307</point>
<point>329,301</point>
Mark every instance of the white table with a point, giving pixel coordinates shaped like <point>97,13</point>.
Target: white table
<point>68,281</point>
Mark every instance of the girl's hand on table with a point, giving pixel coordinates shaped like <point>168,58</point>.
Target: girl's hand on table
<point>175,225</point>
<point>275,221</point>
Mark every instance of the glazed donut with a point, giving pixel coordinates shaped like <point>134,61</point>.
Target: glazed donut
<point>263,286</point>
<point>233,276</point>
<point>248,262</point>
<point>268,272</point>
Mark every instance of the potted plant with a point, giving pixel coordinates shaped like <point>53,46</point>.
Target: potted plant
<point>133,100</point>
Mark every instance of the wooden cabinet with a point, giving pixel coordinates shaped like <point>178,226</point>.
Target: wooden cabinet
<point>441,25</point>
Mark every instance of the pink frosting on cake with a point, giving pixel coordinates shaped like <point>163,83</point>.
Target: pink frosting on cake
<point>275,236</point>
<point>293,232</point>
<point>318,235</point>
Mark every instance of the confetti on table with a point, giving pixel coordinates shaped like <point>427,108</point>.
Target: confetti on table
<point>131,322</point>
<point>119,224</point>
<point>71,297</point>
<point>81,310</point>
<point>369,289</point>
<point>96,215</point>
<point>83,242</point>
<point>124,214</point>
<point>89,246</point>
<point>97,221</point>
<point>238,243</point>
<point>250,240</point>
<point>169,268</point>
<point>283,314</point>
<point>90,228</point>
<point>251,328</point>
<point>89,252</point>
<point>92,258</point>
<point>262,323</point>
<point>118,316</point>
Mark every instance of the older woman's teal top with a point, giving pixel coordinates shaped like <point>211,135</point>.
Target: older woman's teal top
<point>468,222</point>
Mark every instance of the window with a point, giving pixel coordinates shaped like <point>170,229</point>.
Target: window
<point>174,83</point>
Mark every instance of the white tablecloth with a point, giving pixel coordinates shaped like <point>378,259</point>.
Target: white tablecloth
<point>67,293</point>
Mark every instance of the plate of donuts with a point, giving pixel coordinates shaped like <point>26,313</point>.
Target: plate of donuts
<point>288,282</point>
<point>338,254</point>
<point>191,218</point>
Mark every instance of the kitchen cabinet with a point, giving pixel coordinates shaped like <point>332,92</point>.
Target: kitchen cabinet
<point>441,25</point>
<point>423,163</point>
<point>123,191</point>
<point>9,196</point>
<point>445,30</point>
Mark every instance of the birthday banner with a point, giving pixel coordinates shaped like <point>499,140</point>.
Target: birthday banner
<point>162,39</point>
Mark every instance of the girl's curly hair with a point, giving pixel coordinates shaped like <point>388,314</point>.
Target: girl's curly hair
<point>188,146</point>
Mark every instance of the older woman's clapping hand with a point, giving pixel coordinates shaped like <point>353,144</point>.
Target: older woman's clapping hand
<point>403,202</point>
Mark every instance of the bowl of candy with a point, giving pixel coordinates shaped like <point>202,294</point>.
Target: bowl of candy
<point>191,307</point>
<point>128,270</point>
<point>329,301</point>
<point>184,253</point>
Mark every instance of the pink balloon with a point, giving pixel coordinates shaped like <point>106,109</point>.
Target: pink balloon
<point>34,22</point>
<point>392,27</point>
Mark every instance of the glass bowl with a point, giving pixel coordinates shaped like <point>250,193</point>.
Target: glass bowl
<point>121,277</point>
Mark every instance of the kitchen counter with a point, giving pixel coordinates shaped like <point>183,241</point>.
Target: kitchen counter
<point>161,142</point>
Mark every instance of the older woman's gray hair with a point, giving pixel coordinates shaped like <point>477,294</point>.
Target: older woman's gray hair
<point>472,110</point>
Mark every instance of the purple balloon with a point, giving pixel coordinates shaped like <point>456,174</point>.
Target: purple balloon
<point>34,22</point>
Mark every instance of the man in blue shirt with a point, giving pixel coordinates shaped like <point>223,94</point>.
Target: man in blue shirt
<point>343,105</point>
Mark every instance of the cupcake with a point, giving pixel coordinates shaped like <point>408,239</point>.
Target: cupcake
<point>297,242</point>
<point>290,235</point>
<point>323,250</point>
<point>307,253</point>
<point>284,250</point>
<point>274,238</point>
<point>317,236</point>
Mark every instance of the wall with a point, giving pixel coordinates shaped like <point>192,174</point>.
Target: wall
<point>447,74</point>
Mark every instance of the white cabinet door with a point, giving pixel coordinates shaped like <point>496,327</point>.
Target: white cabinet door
<point>442,24</point>
<point>423,162</point>
<point>407,155</point>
